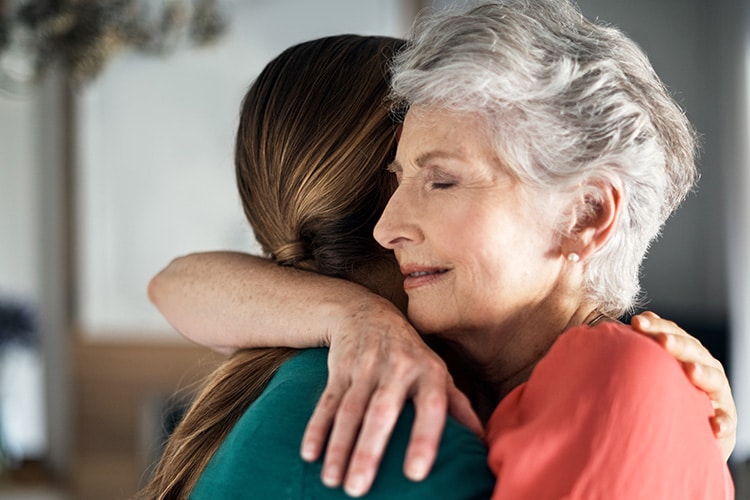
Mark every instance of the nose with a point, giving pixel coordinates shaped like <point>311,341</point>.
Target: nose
<point>397,226</point>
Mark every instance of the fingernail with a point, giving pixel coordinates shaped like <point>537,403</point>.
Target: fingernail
<point>417,469</point>
<point>308,452</point>
<point>355,485</point>
<point>720,427</point>
<point>645,323</point>
<point>331,476</point>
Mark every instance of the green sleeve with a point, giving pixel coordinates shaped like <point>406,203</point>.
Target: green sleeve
<point>260,457</point>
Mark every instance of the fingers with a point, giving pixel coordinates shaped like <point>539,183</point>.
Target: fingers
<point>379,420</point>
<point>709,379</point>
<point>459,406</point>
<point>674,339</point>
<point>319,425</point>
<point>431,410</point>
<point>688,350</point>
<point>430,402</point>
<point>371,374</point>
<point>339,412</point>
<point>651,324</point>
<point>724,426</point>
<point>377,408</point>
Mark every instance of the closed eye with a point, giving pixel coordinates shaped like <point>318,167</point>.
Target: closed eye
<point>442,185</point>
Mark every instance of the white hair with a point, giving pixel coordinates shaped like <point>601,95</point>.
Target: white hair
<point>572,105</point>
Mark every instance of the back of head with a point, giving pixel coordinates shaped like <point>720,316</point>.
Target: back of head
<point>569,103</point>
<point>314,139</point>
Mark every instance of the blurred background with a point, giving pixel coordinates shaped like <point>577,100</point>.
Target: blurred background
<point>117,124</point>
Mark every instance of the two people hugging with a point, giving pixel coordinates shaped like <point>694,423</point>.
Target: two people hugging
<point>513,160</point>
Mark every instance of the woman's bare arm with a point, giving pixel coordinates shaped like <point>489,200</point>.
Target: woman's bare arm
<point>228,300</point>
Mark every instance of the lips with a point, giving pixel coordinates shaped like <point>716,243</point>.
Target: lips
<point>416,276</point>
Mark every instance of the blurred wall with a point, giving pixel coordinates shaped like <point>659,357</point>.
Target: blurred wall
<point>18,195</point>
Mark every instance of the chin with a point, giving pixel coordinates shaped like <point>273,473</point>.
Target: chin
<point>426,323</point>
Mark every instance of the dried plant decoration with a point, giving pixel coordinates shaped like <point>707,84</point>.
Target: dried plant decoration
<point>85,35</point>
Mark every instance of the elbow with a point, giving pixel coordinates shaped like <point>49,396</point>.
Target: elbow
<point>159,286</point>
<point>154,289</point>
<point>156,286</point>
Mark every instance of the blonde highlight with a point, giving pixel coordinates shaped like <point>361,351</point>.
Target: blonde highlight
<point>314,139</point>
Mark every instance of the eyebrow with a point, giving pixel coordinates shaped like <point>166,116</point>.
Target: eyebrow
<point>395,165</point>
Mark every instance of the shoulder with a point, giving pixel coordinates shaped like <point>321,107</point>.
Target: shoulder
<point>264,445</point>
<point>460,470</point>
<point>607,370</point>
<point>283,408</point>
<point>614,355</point>
<point>607,413</point>
<point>264,442</point>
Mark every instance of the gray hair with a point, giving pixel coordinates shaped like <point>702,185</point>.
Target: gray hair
<point>571,105</point>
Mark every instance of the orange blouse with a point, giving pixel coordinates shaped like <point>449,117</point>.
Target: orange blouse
<point>608,414</point>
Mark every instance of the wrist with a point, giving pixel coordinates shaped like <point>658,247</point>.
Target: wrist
<point>358,309</point>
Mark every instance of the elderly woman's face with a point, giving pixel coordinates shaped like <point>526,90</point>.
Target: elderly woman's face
<point>470,239</point>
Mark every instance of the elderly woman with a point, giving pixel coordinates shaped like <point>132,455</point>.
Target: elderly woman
<point>539,157</point>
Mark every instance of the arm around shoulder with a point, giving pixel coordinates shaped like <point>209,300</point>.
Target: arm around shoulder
<point>228,300</point>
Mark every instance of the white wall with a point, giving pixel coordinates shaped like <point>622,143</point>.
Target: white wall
<point>32,246</point>
<point>18,197</point>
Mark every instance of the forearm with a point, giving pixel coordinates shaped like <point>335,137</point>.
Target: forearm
<point>227,300</point>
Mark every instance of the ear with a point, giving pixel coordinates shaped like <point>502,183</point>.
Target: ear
<point>594,218</point>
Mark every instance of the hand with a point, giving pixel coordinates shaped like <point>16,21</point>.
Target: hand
<point>376,361</point>
<point>703,370</point>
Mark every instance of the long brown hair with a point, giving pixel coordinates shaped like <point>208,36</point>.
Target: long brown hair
<point>314,138</point>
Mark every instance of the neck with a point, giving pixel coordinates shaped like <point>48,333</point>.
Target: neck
<point>506,355</point>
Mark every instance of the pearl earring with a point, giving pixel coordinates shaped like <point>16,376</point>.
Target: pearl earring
<point>574,257</point>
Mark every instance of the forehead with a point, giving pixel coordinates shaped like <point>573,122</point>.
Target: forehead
<point>437,132</point>
<point>441,121</point>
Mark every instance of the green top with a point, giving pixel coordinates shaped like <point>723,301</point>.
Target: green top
<point>260,457</point>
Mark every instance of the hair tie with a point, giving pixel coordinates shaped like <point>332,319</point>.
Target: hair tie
<point>290,253</point>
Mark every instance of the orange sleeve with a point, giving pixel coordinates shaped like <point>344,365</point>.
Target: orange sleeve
<point>607,413</point>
